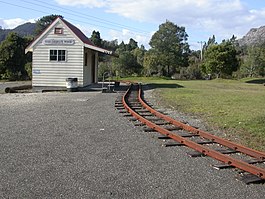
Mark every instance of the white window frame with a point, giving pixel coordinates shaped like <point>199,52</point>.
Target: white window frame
<point>57,55</point>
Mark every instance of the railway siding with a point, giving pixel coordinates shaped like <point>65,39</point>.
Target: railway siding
<point>135,93</point>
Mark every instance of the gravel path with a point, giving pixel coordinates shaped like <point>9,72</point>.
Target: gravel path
<point>76,145</point>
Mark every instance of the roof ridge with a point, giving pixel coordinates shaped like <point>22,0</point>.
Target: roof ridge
<point>78,33</point>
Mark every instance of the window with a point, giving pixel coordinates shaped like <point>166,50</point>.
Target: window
<point>53,55</point>
<point>61,55</point>
<point>57,55</point>
<point>58,31</point>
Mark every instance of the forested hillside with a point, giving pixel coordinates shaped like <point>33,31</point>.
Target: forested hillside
<point>27,29</point>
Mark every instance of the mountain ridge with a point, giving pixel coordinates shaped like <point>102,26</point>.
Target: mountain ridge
<point>254,37</point>
<point>26,29</point>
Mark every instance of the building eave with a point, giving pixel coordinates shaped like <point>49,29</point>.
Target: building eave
<point>102,50</point>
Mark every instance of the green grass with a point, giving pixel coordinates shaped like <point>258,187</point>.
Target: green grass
<point>235,107</point>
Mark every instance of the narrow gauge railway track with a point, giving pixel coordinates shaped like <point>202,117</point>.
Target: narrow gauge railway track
<point>250,162</point>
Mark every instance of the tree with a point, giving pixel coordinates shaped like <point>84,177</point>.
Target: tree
<point>220,59</point>
<point>12,56</point>
<point>170,45</point>
<point>127,64</point>
<point>139,54</point>
<point>151,64</point>
<point>121,48</point>
<point>95,38</point>
<point>130,58</point>
<point>110,45</point>
<point>131,45</point>
<point>254,62</point>
<point>44,22</point>
<point>194,69</point>
<point>211,41</point>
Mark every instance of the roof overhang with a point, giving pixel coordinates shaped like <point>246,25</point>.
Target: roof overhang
<point>102,50</point>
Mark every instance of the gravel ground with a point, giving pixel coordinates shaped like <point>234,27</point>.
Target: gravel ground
<point>76,145</point>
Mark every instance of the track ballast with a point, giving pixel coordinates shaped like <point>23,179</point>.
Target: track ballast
<point>231,155</point>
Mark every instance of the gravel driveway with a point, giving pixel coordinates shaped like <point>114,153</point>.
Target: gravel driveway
<point>76,145</point>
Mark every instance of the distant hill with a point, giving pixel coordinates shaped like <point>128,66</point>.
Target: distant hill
<point>255,36</point>
<point>26,29</point>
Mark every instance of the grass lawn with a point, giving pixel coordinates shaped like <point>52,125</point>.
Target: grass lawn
<point>234,106</point>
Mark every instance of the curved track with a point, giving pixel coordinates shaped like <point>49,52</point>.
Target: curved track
<point>249,161</point>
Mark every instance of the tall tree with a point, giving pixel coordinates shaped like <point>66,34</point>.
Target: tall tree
<point>211,41</point>
<point>95,38</point>
<point>139,54</point>
<point>44,22</point>
<point>170,45</point>
<point>131,45</point>
<point>127,64</point>
<point>220,59</point>
<point>122,47</point>
<point>12,56</point>
<point>110,45</point>
<point>151,63</point>
<point>254,62</point>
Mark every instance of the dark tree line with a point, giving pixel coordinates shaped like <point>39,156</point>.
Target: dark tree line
<point>171,56</point>
<point>13,59</point>
<point>169,53</point>
<point>14,63</point>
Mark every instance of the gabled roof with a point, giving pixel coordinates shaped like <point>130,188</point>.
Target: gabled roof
<point>77,32</point>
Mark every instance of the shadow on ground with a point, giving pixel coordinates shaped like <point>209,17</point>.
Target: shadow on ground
<point>256,81</point>
<point>149,86</point>
<point>157,85</point>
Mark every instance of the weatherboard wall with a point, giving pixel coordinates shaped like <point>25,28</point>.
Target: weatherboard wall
<point>54,73</point>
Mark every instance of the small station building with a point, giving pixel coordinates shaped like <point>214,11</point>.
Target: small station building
<point>62,51</point>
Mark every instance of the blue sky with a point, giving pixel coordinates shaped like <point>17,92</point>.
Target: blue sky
<point>139,19</point>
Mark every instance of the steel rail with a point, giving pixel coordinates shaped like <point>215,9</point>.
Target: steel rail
<point>260,172</point>
<point>237,147</point>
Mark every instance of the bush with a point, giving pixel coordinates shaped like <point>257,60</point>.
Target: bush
<point>191,72</point>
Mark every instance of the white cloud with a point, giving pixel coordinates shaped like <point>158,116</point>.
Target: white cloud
<point>201,14</point>
<point>157,10</point>
<point>12,23</point>
<point>220,17</point>
<point>87,30</point>
<point>202,18</point>
<point>87,3</point>
<point>125,35</point>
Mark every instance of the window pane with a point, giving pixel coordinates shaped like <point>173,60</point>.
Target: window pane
<point>61,55</point>
<point>53,55</point>
<point>58,31</point>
